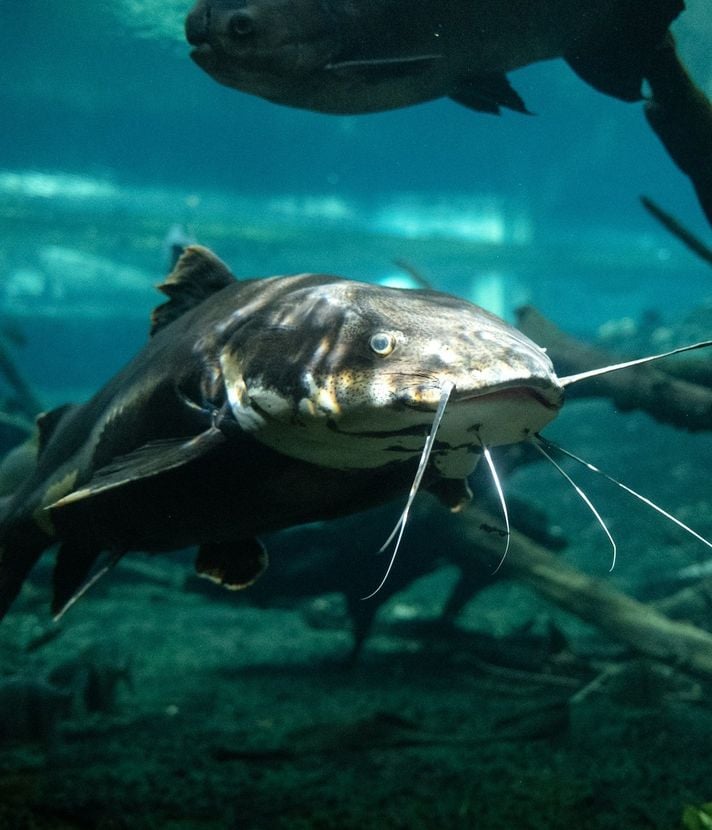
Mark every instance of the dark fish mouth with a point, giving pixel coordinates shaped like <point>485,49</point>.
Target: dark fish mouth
<point>205,56</point>
<point>197,26</point>
<point>214,63</point>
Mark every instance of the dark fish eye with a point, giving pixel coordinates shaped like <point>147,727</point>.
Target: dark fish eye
<point>241,24</point>
<point>382,343</point>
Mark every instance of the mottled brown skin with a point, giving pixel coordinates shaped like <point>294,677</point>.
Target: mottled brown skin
<point>338,56</point>
<point>173,452</point>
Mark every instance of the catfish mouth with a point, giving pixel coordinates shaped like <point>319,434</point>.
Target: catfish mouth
<point>507,413</point>
<point>541,390</point>
<point>545,393</point>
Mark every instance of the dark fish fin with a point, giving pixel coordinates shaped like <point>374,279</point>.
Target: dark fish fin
<point>198,274</point>
<point>454,493</point>
<point>488,93</point>
<point>614,75</point>
<point>234,565</point>
<point>74,561</point>
<point>681,116</point>
<point>614,60</point>
<point>150,460</point>
<point>47,423</point>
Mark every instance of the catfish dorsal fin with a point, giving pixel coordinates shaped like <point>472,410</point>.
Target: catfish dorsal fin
<point>197,275</point>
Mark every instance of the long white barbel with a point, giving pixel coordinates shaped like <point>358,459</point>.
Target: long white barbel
<point>445,392</point>
<point>592,373</point>
<point>630,490</point>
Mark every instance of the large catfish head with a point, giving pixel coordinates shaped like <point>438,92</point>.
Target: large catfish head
<point>349,375</point>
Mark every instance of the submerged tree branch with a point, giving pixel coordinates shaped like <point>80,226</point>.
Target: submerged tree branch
<point>678,230</point>
<point>594,600</point>
<point>667,399</point>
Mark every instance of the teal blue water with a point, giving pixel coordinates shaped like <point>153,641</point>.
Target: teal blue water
<point>112,142</point>
<point>111,135</point>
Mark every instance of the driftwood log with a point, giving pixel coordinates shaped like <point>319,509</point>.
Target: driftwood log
<point>644,628</point>
<point>640,626</point>
<point>27,401</point>
<point>667,399</point>
<point>678,230</point>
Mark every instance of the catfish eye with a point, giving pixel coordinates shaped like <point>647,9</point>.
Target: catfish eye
<point>241,24</point>
<point>382,343</point>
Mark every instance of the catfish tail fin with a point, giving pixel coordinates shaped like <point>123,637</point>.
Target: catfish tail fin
<point>18,554</point>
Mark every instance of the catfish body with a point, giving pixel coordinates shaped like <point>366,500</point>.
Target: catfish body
<point>337,56</point>
<point>263,404</point>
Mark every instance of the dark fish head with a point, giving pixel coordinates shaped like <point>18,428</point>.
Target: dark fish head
<point>259,46</point>
<point>349,375</point>
<point>321,55</point>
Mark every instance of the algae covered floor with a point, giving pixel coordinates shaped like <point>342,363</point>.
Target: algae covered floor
<point>187,710</point>
<point>228,716</point>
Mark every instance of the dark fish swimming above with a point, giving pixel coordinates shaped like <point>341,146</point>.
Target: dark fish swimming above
<point>261,404</point>
<point>338,56</point>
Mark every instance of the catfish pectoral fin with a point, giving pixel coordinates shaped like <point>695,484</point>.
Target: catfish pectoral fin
<point>488,93</point>
<point>150,460</point>
<point>454,493</point>
<point>234,565</point>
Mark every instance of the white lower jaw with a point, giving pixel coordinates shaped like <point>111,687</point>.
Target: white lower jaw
<point>317,443</point>
<point>467,426</point>
<point>505,417</point>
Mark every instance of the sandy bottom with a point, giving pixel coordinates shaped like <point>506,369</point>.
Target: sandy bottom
<point>195,712</point>
<point>235,717</point>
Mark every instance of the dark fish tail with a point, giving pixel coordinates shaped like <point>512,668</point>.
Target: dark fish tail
<point>21,545</point>
<point>615,59</point>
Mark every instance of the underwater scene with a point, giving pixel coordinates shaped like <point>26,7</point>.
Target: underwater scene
<point>389,540</point>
